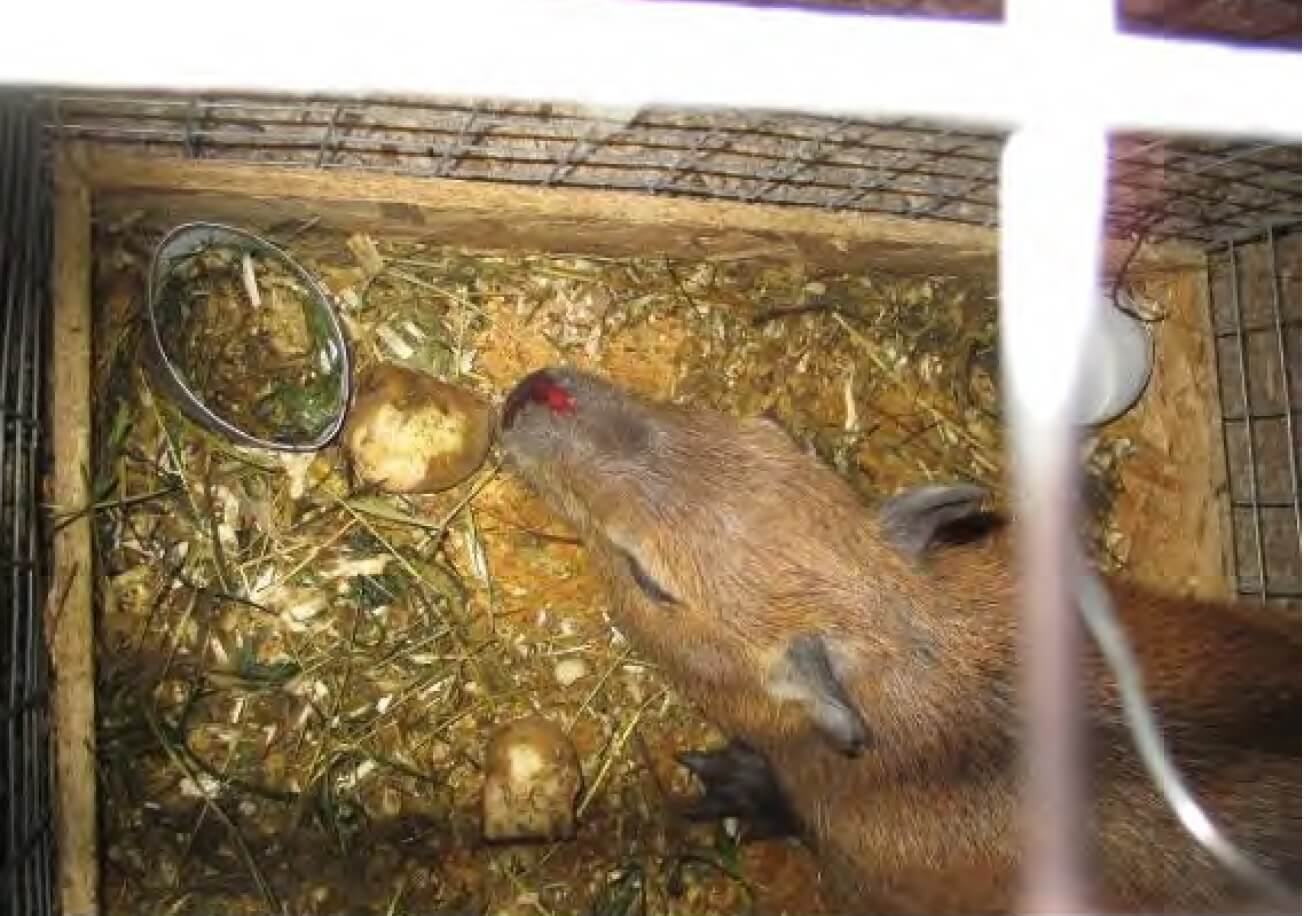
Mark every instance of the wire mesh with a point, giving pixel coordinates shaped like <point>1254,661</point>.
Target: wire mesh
<point>1255,297</point>
<point>1162,187</point>
<point>25,803</point>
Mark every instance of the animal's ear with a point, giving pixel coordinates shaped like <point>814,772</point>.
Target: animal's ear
<point>912,519</point>
<point>803,672</point>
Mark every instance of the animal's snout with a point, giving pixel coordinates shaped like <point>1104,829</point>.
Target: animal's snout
<point>545,387</point>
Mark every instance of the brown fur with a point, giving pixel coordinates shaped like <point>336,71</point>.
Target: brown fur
<point>760,544</point>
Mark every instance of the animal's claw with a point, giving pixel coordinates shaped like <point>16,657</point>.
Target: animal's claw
<point>738,782</point>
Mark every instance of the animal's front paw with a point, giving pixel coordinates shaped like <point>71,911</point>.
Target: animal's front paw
<point>737,782</point>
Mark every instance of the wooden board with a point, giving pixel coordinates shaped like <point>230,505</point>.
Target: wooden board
<point>69,619</point>
<point>505,217</point>
<point>1172,507</point>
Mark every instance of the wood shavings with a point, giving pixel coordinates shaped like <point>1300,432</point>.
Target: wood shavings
<point>567,671</point>
<point>366,253</point>
<point>350,568</point>
<point>395,343</point>
<point>371,641</point>
<point>296,467</point>
<point>250,281</point>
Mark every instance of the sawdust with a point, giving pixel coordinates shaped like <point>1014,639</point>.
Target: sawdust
<point>297,678</point>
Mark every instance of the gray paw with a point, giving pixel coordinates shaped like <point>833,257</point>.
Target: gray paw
<point>737,782</point>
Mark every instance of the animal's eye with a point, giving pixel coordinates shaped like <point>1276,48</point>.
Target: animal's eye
<point>650,586</point>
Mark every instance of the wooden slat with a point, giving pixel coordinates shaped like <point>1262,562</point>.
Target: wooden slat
<point>504,217</point>
<point>69,618</point>
<point>1171,506</point>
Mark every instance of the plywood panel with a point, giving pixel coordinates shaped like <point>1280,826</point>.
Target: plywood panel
<point>491,216</point>
<point>1170,509</point>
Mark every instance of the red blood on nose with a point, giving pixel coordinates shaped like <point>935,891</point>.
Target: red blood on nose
<point>554,397</point>
<point>537,388</point>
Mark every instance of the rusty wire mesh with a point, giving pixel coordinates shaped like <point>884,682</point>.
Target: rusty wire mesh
<point>1164,188</point>
<point>25,803</point>
<point>1254,292</point>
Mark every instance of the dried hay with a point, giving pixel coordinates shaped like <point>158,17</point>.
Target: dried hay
<point>296,679</point>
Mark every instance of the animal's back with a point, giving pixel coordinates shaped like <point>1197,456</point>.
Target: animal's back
<point>1224,680</point>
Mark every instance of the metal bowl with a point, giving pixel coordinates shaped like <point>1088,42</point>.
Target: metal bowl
<point>1119,360</point>
<point>189,239</point>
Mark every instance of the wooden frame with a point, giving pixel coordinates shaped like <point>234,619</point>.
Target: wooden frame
<point>510,217</point>
<point>69,615</point>
<point>489,216</point>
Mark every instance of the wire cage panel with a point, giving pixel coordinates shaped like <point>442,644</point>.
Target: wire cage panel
<point>25,800</point>
<point>1255,297</point>
<point>1162,187</point>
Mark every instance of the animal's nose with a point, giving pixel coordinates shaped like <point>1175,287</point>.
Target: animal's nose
<point>544,387</point>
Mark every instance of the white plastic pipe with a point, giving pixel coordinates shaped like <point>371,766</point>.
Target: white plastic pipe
<point>1049,251</point>
<point>1053,172</point>
<point>625,54</point>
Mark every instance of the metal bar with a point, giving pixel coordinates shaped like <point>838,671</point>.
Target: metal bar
<point>1208,160</point>
<point>1178,200</point>
<point>190,146</point>
<point>1264,504</point>
<point>221,140</point>
<point>30,700</point>
<point>581,149</point>
<point>1203,160</point>
<point>42,877</point>
<point>943,200</point>
<point>1270,415</point>
<point>1257,328</point>
<point>986,206</point>
<point>1249,432</point>
<point>215,142</point>
<point>452,152</point>
<point>1249,235</point>
<point>934,198</point>
<point>24,796</point>
<point>1271,239</point>
<point>702,146</point>
<point>1253,588</point>
<point>1219,368</point>
<point>24,484</point>
<point>19,155</point>
<point>1243,215</point>
<point>224,135</point>
<point>328,135</point>
<point>766,129</point>
<point>888,172</point>
<point>806,156</point>
<point>295,105</point>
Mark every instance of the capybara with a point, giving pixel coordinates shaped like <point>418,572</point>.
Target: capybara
<point>876,672</point>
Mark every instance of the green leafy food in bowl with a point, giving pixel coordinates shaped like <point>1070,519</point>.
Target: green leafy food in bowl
<point>247,338</point>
